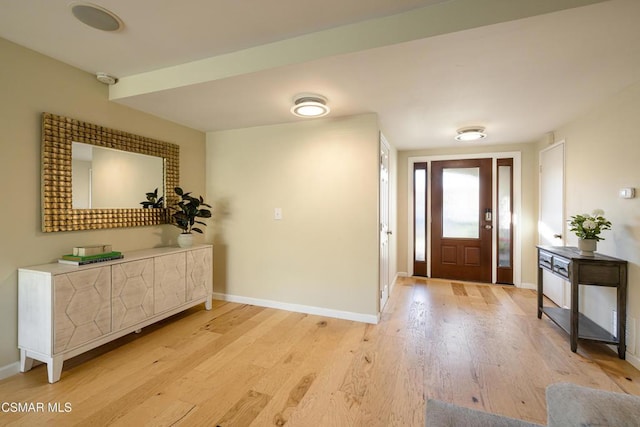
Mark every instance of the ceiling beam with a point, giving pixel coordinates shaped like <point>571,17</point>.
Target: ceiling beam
<point>442,18</point>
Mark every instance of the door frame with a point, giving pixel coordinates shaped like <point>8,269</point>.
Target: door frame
<point>517,209</point>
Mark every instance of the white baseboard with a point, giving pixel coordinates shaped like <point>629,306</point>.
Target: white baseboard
<point>393,283</point>
<point>299,308</point>
<point>402,274</point>
<point>9,370</point>
<point>525,285</point>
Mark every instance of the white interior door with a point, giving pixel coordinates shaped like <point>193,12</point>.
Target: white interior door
<point>551,223</point>
<point>384,222</point>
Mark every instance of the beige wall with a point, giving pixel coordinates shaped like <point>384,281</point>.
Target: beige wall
<point>602,155</point>
<point>324,176</point>
<point>30,84</point>
<point>529,200</point>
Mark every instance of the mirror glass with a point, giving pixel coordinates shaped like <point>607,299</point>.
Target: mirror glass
<point>104,178</point>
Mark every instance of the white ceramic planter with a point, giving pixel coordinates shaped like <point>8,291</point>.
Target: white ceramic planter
<point>587,246</point>
<point>185,240</point>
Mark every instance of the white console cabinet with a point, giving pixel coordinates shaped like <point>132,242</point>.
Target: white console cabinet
<point>65,310</point>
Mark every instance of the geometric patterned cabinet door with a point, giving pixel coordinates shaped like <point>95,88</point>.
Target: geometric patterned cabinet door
<point>66,310</point>
<point>169,282</point>
<point>82,307</point>
<point>132,288</point>
<point>199,273</point>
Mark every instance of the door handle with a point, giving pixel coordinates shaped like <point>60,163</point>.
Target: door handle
<point>389,232</point>
<point>488,227</point>
<point>557,236</point>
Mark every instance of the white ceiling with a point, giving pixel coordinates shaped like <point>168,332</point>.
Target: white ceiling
<point>426,67</point>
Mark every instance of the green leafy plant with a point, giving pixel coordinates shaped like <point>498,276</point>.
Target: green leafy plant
<point>152,200</point>
<point>187,209</point>
<point>590,226</point>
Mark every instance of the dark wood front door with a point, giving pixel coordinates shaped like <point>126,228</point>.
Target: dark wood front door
<point>462,220</point>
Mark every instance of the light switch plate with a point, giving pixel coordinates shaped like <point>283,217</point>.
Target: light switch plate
<point>277,214</point>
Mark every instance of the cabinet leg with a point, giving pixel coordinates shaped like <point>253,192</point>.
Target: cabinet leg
<point>540,287</point>
<point>574,273</point>
<point>208,304</point>
<point>621,333</point>
<point>574,345</point>
<point>26,363</point>
<point>54,369</point>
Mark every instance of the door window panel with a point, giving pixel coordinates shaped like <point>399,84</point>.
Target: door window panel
<point>420,219</point>
<point>461,203</point>
<point>505,221</point>
<point>504,216</point>
<point>420,180</point>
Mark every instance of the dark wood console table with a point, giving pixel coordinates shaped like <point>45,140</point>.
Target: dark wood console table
<point>598,270</point>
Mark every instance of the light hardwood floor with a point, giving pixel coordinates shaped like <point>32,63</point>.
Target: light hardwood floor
<point>480,346</point>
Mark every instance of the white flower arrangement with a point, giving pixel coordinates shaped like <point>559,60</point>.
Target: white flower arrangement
<point>590,226</point>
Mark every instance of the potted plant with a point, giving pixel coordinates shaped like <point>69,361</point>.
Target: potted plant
<point>152,200</point>
<point>186,210</point>
<point>588,228</point>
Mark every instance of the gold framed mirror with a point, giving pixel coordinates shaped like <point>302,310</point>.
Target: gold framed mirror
<point>58,213</point>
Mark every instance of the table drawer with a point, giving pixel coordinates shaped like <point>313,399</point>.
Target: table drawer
<point>603,275</point>
<point>544,260</point>
<point>561,266</point>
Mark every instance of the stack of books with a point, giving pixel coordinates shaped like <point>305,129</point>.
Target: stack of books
<point>90,254</point>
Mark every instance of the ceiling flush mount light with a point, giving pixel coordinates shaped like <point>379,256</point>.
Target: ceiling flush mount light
<point>96,17</point>
<point>472,133</point>
<point>310,105</point>
<point>106,78</point>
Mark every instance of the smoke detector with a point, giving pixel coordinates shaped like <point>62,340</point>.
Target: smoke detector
<point>106,78</point>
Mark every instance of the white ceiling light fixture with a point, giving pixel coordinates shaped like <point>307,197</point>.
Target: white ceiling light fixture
<point>471,133</point>
<point>96,17</point>
<point>310,105</point>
